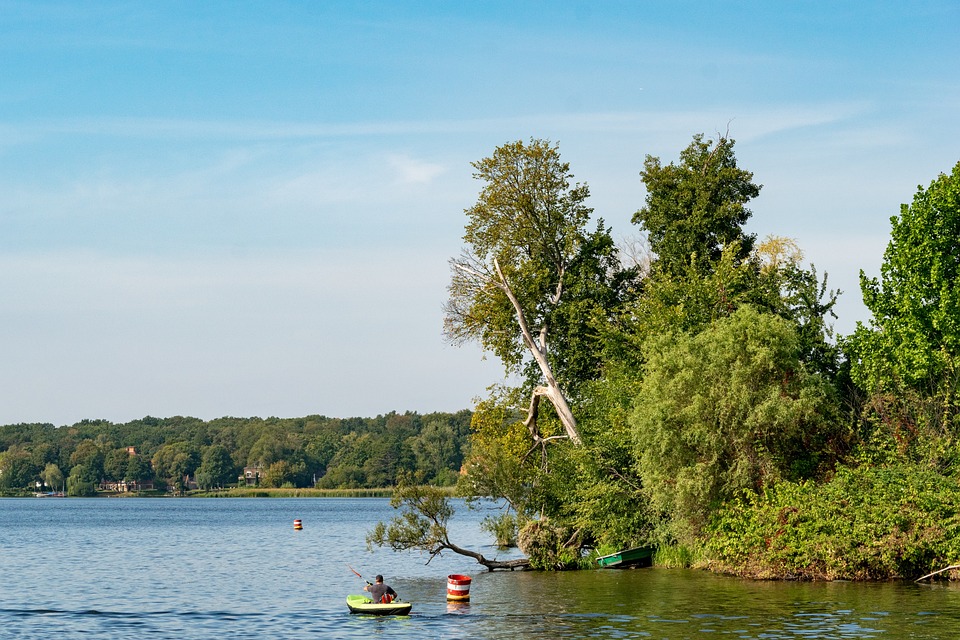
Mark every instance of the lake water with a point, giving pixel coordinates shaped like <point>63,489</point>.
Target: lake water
<point>236,568</point>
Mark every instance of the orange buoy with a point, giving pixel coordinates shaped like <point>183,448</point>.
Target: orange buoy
<point>458,587</point>
<point>297,525</point>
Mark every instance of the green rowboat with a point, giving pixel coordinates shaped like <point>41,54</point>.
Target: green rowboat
<point>363,604</point>
<point>628,557</point>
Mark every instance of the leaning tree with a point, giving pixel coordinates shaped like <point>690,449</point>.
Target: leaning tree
<point>531,276</point>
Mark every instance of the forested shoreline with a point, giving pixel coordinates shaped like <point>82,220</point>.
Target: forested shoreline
<point>175,454</point>
<point>685,390</point>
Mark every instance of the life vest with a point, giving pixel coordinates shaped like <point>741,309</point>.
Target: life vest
<point>386,598</point>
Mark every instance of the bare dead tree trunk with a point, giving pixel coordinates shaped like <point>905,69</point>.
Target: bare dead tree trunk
<point>539,351</point>
<point>930,575</point>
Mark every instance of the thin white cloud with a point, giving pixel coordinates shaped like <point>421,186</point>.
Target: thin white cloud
<point>410,170</point>
<point>761,120</point>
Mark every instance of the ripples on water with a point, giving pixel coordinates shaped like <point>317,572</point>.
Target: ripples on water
<point>221,568</point>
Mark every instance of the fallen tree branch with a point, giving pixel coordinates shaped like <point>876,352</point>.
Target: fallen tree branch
<point>491,565</point>
<point>930,575</point>
<point>423,525</point>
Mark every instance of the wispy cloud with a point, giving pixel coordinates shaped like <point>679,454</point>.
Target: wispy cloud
<point>411,170</point>
<point>761,121</point>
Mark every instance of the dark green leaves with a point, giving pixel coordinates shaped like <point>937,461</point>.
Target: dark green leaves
<point>696,208</point>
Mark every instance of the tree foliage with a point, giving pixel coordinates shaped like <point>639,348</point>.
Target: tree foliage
<point>697,207</point>
<point>726,409</point>
<point>866,523</point>
<point>425,512</point>
<point>532,277</point>
<point>532,222</point>
<point>331,452</point>
<point>216,468</point>
<point>912,340</point>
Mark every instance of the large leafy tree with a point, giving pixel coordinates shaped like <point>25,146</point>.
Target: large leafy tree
<point>216,467</point>
<point>16,469</point>
<point>436,450</point>
<point>701,265</point>
<point>174,461</point>
<point>705,265</point>
<point>726,409</point>
<point>115,463</point>
<point>532,275</point>
<point>138,470</point>
<point>697,207</point>
<point>90,456</point>
<point>913,338</point>
<point>52,477</point>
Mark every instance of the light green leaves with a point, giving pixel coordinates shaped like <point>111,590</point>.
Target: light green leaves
<point>913,339</point>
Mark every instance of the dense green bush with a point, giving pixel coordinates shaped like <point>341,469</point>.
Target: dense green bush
<point>896,521</point>
<point>504,529</point>
<point>550,546</point>
<point>727,409</point>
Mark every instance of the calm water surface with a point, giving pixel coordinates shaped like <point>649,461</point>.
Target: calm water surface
<point>235,568</point>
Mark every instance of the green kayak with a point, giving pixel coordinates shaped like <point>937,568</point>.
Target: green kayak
<point>363,604</point>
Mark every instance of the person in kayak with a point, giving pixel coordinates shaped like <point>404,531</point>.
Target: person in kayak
<point>380,592</point>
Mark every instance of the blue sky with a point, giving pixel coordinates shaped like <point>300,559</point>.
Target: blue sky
<point>247,208</point>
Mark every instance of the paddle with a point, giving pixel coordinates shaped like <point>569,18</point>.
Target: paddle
<point>356,573</point>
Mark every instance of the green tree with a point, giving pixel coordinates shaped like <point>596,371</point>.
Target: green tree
<point>174,462</point>
<point>52,477</point>
<point>17,470</point>
<point>115,463</point>
<point>82,481</point>
<point>216,468</point>
<point>530,265</point>
<point>499,464</point>
<point>435,449</point>
<point>800,296</point>
<point>727,409</point>
<point>696,208</point>
<point>423,525</point>
<point>90,456</point>
<point>346,468</point>
<point>912,340</point>
<point>269,448</point>
<point>138,470</point>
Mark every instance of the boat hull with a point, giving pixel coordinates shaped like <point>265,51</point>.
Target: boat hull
<point>628,557</point>
<point>363,604</point>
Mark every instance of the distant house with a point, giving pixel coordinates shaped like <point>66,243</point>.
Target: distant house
<point>126,486</point>
<point>251,476</point>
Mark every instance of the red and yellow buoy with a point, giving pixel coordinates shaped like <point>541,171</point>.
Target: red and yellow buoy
<point>297,525</point>
<point>458,587</point>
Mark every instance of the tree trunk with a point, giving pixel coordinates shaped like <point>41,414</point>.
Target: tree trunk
<point>518,563</point>
<point>538,350</point>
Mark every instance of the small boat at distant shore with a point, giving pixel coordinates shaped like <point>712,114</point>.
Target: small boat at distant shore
<point>627,558</point>
<point>363,604</point>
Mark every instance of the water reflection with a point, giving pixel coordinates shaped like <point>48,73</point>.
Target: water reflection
<point>236,568</point>
<point>680,604</point>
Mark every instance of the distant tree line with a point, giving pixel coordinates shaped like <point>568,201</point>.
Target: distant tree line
<point>285,452</point>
